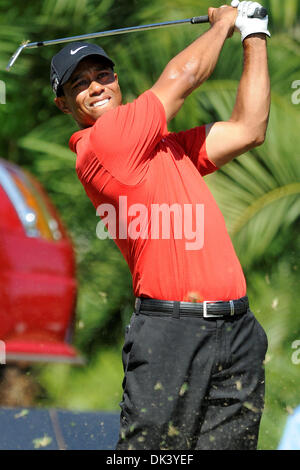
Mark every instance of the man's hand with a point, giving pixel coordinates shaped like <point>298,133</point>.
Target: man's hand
<point>247,25</point>
<point>225,15</point>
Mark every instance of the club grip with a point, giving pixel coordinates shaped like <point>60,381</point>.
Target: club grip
<point>199,19</point>
<point>260,13</point>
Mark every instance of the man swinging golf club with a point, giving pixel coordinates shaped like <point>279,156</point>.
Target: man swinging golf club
<point>193,353</point>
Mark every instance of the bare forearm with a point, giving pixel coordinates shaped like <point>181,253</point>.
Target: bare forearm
<point>253,98</point>
<point>191,67</point>
<point>195,64</point>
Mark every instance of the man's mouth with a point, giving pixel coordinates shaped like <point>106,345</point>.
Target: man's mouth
<point>100,103</point>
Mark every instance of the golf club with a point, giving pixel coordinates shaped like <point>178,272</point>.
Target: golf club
<point>259,13</point>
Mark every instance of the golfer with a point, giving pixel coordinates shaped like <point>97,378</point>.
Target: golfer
<point>193,353</point>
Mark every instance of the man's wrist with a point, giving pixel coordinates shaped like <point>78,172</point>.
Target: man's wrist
<point>255,39</point>
<point>223,27</point>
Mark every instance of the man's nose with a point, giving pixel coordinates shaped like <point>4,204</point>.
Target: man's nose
<point>95,88</point>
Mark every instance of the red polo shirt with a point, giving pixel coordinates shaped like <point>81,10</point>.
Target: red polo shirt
<point>149,189</point>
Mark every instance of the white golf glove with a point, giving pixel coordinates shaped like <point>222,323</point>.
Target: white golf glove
<point>247,25</point>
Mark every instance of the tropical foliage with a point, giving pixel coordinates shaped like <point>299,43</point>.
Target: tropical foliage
<point>258,192</point>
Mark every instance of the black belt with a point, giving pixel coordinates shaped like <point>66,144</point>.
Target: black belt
<point>206,309</point>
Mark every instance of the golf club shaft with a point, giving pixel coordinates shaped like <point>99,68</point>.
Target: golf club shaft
<point>113,32</point>
<point>259,13</point>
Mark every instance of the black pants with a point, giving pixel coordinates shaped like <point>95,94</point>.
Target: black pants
<point>192,383</point>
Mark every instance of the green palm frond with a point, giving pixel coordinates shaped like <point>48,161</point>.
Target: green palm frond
<point>284,14</point>
<point>35,144</point>
<point>258,192</point>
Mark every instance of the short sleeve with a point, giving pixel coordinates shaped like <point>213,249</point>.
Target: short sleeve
<point>124,138</point>
<point>193,142</point>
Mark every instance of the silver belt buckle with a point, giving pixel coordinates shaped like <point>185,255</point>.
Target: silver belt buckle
<point>207,315</point>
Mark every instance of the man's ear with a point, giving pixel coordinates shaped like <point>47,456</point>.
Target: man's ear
<point>60,102</point>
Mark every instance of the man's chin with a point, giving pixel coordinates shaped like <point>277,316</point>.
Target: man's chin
<point>99,112</point>
<point>91,118</point>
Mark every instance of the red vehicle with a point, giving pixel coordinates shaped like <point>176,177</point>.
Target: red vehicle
<point>37,277</point>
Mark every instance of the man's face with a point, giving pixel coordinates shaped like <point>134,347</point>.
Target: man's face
<point>92,90</point>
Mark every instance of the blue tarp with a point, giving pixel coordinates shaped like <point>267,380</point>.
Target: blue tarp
<point>53,429</point>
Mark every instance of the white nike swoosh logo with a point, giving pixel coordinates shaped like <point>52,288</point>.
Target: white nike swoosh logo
<point>76,50</point>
